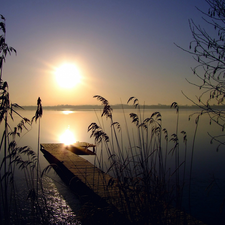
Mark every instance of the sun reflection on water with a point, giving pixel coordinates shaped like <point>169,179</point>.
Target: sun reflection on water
<point>67,112</point>
<point>67,137</point>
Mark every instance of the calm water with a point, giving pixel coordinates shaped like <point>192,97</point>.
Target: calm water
<point>208,163</point>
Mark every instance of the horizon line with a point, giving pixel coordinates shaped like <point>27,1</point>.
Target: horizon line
<point>112,105</point>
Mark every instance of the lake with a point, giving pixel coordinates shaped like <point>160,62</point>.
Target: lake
<point>207,162</point>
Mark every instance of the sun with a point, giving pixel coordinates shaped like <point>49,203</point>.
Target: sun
<point>67,75</point>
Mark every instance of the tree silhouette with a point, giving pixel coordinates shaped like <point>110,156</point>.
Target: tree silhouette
<point>208,50</point>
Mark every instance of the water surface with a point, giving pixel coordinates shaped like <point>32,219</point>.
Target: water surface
<point>208,163</point>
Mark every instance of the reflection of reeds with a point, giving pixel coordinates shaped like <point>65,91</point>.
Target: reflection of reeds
<point>147,185</point>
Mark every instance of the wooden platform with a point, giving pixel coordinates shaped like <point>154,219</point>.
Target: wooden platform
<point>77,170</point>
<point>88,180</point>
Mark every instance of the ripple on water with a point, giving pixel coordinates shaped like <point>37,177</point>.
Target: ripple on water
<point>62,212</point>
<point>58,198</point>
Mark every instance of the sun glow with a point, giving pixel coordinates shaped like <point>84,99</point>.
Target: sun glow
<point>67,112</point>
<point>67,75</point>
<point>67,137</point>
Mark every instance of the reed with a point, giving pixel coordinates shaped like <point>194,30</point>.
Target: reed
<point>150,189</point>
<point>22,195</point>
<point>16,161</point>
<point>21,162</point>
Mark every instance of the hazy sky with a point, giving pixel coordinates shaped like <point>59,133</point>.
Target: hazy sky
<point>122,48</point>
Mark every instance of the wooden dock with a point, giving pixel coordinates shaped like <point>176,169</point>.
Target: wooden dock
<point>77,171</point>
<point>87,180</point>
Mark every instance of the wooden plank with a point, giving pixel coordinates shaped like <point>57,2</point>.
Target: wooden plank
<point>80,171</point>
<point>80,168</point>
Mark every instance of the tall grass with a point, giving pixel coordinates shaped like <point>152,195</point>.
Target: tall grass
<point>149,189</point>
<point>22,195</point>
<point>16,161</point>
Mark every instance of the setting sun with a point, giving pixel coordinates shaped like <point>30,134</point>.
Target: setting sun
<point>67,75</point>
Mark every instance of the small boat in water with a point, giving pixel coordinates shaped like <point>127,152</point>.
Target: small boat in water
<point>81,148</point>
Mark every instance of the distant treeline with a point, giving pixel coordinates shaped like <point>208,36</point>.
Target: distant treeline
<point>118,106</point>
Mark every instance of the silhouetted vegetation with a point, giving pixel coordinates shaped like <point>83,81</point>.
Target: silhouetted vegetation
<point>207,48</point>
<point>150,189</point>
<point>22,196</point>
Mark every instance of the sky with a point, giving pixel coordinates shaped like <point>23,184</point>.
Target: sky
<point>121,48</point>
